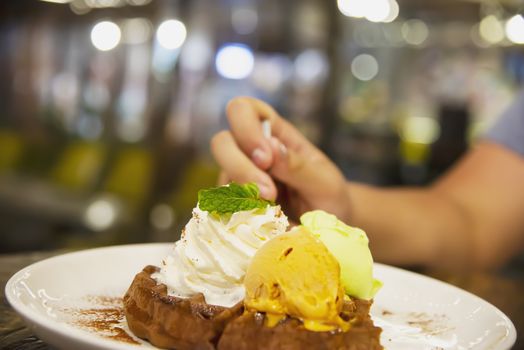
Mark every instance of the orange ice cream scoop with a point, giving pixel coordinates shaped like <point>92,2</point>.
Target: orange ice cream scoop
<point>295,275</point>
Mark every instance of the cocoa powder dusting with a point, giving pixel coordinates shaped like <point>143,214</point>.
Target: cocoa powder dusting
<point>121,335</point>
<point>106,319</point>
<point>103,300</point>
<point>386,313</point>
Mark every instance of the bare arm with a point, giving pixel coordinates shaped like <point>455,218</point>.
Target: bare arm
<point>472,217</point>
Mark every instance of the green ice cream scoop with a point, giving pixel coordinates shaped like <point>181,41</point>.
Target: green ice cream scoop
<point>349,245</point>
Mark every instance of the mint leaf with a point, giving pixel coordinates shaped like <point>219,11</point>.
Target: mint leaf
<point>231,198</point>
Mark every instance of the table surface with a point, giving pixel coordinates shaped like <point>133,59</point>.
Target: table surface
<point>504,291</point>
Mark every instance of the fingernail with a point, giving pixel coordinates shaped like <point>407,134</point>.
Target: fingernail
<point>283,149</point>
<point>259,156</point>
<point>265,190</point>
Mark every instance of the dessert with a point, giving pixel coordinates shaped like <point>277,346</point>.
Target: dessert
<point>237,280</point>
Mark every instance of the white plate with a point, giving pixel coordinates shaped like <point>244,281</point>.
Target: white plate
<point>72,302</point>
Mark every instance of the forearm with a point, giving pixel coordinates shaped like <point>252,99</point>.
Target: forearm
<point>412,226</point>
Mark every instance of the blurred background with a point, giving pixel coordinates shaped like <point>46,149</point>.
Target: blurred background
<point>107,106</point>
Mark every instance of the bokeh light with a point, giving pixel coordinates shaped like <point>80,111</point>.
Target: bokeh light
<point>105,35</point>
<point>100,214</point>
<point>364,67</point>
<point>311,66</point>
<point>415,32</point>
<point>491,29</point>
<point>422,130</point>
<point>515,29</point>
<point>372,10</point>
<point>171,34</point>
<point>79,7</point>
<point>162,217</point>
<point>234,61</point>
<point>394,11</point>
<point>378,10</point>
<point>352,8</point>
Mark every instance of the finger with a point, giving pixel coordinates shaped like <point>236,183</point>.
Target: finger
<point>278,150</point>
<point>238,167</point>
<point>245,115</point>
<point>303,171</point>
<point>246,126</point>
<point>280,128</point>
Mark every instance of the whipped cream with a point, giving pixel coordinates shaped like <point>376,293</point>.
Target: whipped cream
<point>214,252</point>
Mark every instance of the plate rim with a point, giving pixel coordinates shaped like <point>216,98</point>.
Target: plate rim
<point>64,330</point>
<point>507,342</point>
<point>32,317</point>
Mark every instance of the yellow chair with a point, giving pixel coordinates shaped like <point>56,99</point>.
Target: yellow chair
<point>11,149</point>
<point>131,175</point>
<point>80,165</point>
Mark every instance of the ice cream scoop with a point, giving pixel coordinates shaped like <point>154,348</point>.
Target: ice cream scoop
<point>294,274</point>
<point>350,246</point>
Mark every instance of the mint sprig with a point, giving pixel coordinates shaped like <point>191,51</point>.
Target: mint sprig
<point>231,198</point>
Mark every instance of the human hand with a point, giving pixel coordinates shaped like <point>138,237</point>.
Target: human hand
<point>287,167</point>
